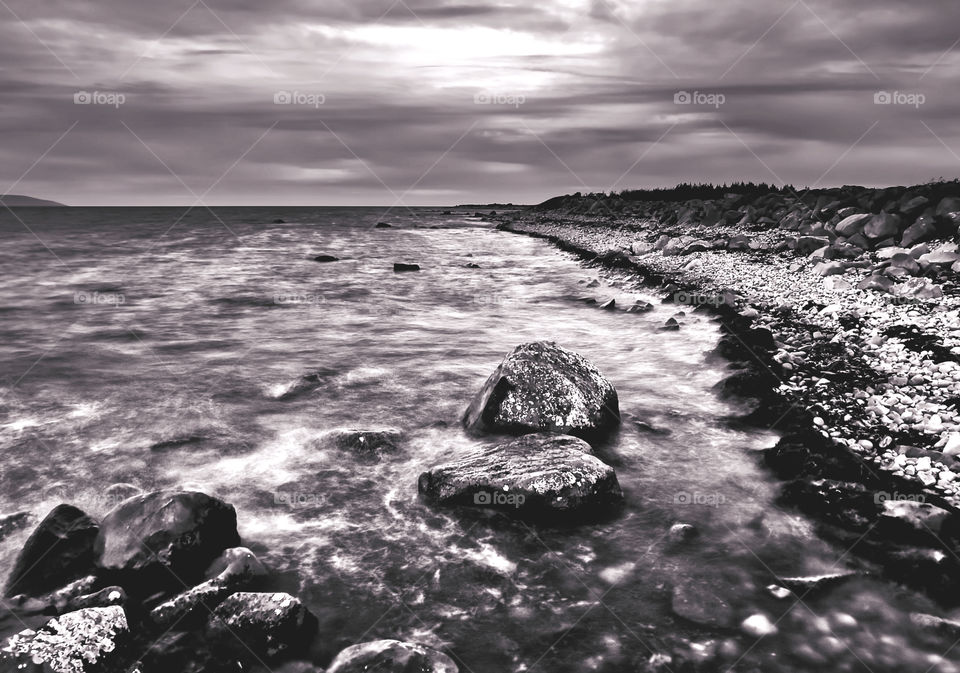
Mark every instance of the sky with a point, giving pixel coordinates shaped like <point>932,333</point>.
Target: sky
<point>434,102</point>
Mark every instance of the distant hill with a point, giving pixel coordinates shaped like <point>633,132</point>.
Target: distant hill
<point>20,200</point>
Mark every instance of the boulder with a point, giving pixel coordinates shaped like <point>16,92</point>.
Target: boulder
<point>541,386</point>
<point>84,641</point>
<point>917,288</point>
<point>368,445</point>
<point>881,226</point>
<point>169,535</point>
<point>391,656</point>
<point>876,282</point>
<point>912,205</point>
<point>808,244</point>
<point>852,224</point>
<point>948,205</point>
<point>530,476</point>
<point>264,624</point>
<point>59,551</point>
<point>235,570</point>
<point>923,229</point>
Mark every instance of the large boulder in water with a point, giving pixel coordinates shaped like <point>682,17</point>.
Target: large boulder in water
<point>542,387</point>
<point>391,656</point>
<point>60,550</point>
<point>534,475</point>
<point>167,534</point>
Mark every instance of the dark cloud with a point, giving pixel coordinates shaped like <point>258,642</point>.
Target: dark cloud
<point>518,101</point>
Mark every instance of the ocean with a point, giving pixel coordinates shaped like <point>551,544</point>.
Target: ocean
<point>148,348</point>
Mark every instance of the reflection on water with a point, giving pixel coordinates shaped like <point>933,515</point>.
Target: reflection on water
<point>196,357</point>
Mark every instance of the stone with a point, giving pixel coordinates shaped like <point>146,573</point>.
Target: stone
<point>876,282</point>
<point>265,624</point>
<point>403,266</point>
<point>830,268</point>
<point>59,551</point>
<point>758,626</point>
<point>881,226</point>
<point>383,225</point>
<point>11,523</point>
<point>77,642</point>
<point>368,445</point>
<point>170,535</point>
<point>695,601</point>
<point>326,258</point>
<point>671,325</point>
<point>852,224</point>
<point>917,288</point>
<point>542,386</point>
<point>391,655</point>
<point>948,205</point>
<point>814,584</point>
<point>913,518</point>
<point>910,206</point>
<point>808,244</point>
<point>534,475</point>
<point>923,229</point>
<point>681,532</point>
<point>939,258</point>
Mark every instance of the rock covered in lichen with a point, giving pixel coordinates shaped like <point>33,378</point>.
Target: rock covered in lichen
<point>77,642</point>
<point>532,475</point>
<point>543,387</point>
<point>263,624</point>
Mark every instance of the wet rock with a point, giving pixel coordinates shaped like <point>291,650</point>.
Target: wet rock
<point>541,386</point>
<point>682,532</point>
<point>11,523</point>
<point>533,475</point>
<point>383,225</point>
<point>104,598</point>
<point>946,627</point>
<point>60,550</point>
<point>471,265</point>
<point>671,325</point>
<point>948,205</point>
<point>808,244</point>
<point>403,266</point>
<point>167,536</point>
<point>85,641</point>
<point>609,305</point>
<point>237,569</point>
<point>881,226</point>
<point>391,656</point>
<point>368,445</point>
<point>326,258</point>
<point>696,601</point>
<point>912,520</point>
<point>640,306</point>
<point>264,624</point>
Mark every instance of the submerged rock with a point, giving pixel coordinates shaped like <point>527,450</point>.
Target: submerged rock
<point>391,656</point>
<point>541,386</point>
<point>403,266</point>
<point>77,642</point>
<point>60,550</point>
<point>532,475</point>
<point>11,523</point>
<point>172,535</point>
<point>697,603</point>
<point>326,258</point>
<point>265,624</point>
<point>368,445</point>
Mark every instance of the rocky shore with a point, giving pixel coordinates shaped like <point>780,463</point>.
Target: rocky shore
<point>839,314</point>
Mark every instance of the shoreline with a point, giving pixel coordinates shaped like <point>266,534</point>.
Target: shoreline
<point>836,368</point>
